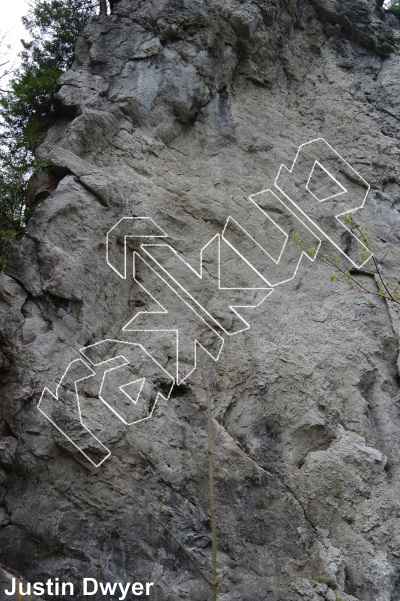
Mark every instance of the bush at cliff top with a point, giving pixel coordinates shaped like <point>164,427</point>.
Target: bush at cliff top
<point>28,108</point>
<point>395,7</point>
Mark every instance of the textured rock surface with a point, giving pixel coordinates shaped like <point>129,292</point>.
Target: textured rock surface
<point>179,111</point>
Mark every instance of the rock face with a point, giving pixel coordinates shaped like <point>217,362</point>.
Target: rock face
<point>178,111</point>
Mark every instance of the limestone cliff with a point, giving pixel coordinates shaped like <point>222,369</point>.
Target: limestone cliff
<point>179,110</point>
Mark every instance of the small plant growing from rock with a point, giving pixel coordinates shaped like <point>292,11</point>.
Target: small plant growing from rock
<point>387,289</point>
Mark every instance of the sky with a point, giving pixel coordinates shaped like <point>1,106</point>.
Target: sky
<point>10,24</point>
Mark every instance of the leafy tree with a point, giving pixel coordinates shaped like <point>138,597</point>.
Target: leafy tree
<point>29,107</point>
<point>394,7</point>
<point>54,26</point>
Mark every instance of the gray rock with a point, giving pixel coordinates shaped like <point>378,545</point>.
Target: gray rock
<point>179,111</point>
<point>8,449</point>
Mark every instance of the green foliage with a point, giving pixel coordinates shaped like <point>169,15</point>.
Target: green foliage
<point>29,107</point>
<point>387,289</point>
<point>298,240</point>
<point>395,7</point>
<point>15,171</point>
<point>54,26</point>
